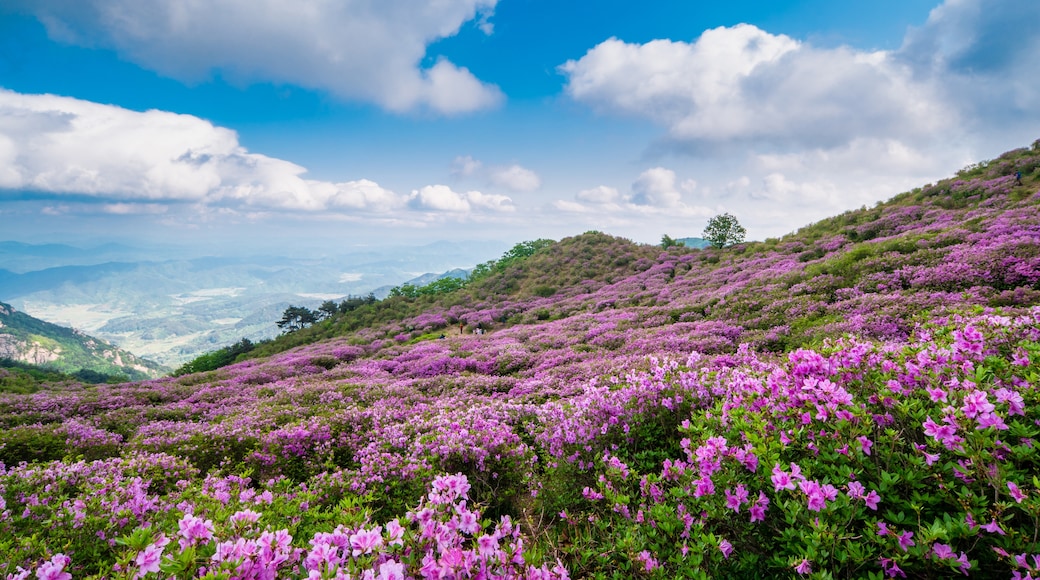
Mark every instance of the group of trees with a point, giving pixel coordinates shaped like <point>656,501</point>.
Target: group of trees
<point>722,230</point>
<point>297,317</point>
<point>438,286</point>
<point>216,359</point>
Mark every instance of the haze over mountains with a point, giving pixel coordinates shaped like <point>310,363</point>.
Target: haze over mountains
<point>169,309</point>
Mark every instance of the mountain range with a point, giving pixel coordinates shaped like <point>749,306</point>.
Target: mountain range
<point>29,340</point>
<point>171,310</point>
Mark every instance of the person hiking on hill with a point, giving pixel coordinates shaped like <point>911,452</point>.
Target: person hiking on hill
<point>1018,178</point>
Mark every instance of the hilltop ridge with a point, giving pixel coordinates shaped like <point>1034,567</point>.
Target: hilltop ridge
<point>30,340</point>
<point>970,240</point>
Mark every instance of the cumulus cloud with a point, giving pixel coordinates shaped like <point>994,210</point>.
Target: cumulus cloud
<point>967,71</point>
<point>442,198</point>
<point>982,55</point>
<point>61,145</point>
<point>600,194</point>
<point>512,177</point>
<point>369,50</point>
<point>656,187</point>
<point>465,166</point>
<point>654,192</point>
<point>515,178</point>
<point>742,83</point>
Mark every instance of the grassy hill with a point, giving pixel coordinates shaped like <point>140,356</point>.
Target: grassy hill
<point>969,240</point>
<point>855,399</point>
<point>51,347</point>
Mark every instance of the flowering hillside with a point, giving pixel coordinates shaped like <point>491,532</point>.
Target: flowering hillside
<point>857,399</point>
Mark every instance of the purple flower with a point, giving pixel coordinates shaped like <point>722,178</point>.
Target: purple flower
<point>906,540</point>
<point>148,560</point>
<point>1016,493</point>
<point>942,551</point>
<point>872,500</point>
<point>726,548</point>
<point>993,527</point>
<point>865,444</point>
<point>54,569</point>
<point>804,567</point>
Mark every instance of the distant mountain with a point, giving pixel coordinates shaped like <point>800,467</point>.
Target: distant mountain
<point>696,243</point>
<point>384,291</point>
<point>172,310</point>
<point>49,346</point>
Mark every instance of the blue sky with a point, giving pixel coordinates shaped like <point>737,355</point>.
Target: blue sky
<point>294,123</point>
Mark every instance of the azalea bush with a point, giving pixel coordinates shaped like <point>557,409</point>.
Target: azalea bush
<point>847,401</point>
<point>859,458</point>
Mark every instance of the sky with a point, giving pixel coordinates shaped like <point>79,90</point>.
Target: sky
<point>315,123</point>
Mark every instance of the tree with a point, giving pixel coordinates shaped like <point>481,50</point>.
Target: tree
<point>669,242</point>
<point>296,317</point>
<point>724,230</point>
<point>327,310</point>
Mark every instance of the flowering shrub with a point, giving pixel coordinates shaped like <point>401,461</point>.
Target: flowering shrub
<point>844,402</point>
<point>883,458</point>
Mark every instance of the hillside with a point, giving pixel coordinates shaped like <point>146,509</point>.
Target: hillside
<point>972,240</point>
<point>49,346</point>
<point>177,305</point>
<point>855,399</point>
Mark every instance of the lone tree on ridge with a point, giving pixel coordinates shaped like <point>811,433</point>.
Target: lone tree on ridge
<point>724,230</point>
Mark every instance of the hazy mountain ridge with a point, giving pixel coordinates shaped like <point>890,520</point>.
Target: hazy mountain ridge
<point>171,310</point>
<point>33,341</point>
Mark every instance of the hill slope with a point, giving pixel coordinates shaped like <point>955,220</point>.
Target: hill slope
<point>966,241</point>
<point>49,346</point>
<point>843,401</point>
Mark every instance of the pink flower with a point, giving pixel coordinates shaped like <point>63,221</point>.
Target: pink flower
<point>781,479</point>
<point>872,500</point>
<point>54,569</point>
<point>394,532</point>
<point>726,548</point>
<point>487,545</point>
<point>468,522</point>
<point>865,444</point>
<point>735,500</point>
<point>804,567</point>
<point>704,487</point>
<point>391,570</point>
<point>194,531</point>
<point>148,560</point>
<point>942,551</point>
<point>758,511</point>
<point>906,540</point>
<point>649,562</point>
<point>365,541</point>
<point>245,516</point>
<point>993,527</point>
<point>1016,493</point>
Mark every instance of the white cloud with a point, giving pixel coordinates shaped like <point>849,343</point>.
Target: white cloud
<point>656,187</point>
<point>465,166</point>
<point>515,178</point>
<point>441,198</point>
<point>61,145</point>
<point>134,208</point>
<point>599,195</point>
<point>653,193</point>
<point>364,194</point>
<point>742,83</point>
<point>512,177</point>
<point>368,50</point>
